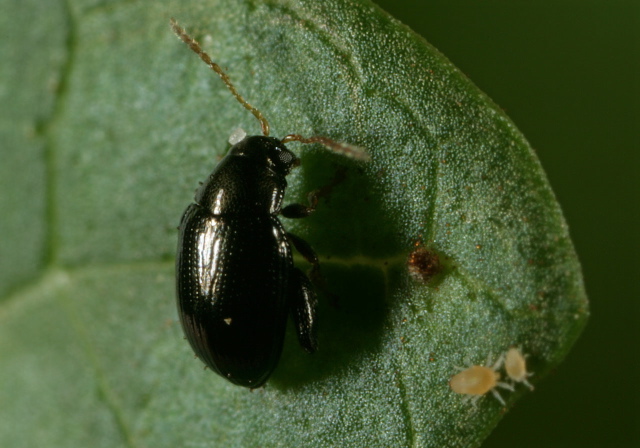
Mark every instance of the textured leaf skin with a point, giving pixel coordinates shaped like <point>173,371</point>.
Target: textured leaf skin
<point>91,351</point>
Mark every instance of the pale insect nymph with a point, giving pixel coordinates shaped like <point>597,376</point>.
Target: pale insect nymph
<point>476,381</point>
<point>515,365</point>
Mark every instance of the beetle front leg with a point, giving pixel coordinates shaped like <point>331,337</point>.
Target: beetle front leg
<point>301,211</point>
<point>303,303</point>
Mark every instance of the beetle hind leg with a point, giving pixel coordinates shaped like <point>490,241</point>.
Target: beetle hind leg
<point>302,297</point>
<point>303,303</point>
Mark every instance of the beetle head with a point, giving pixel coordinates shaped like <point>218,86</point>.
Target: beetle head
<point>267,151</point>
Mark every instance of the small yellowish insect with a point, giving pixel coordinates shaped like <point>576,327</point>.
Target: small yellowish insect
<point>515,365</point>
<point>476,381</point>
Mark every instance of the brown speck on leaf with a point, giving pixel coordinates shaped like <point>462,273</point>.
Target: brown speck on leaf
<point>423,264</point>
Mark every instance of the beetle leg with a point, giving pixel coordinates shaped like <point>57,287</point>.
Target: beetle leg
<point>308,253</point>
<point>299,210</point>
<point>314,274</point>
<point>303,309</point>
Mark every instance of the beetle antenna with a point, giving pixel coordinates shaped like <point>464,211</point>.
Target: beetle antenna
<point>197,49</point>
<point>355,152</point>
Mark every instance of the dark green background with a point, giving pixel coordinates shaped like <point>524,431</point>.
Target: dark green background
<point>567,73</point>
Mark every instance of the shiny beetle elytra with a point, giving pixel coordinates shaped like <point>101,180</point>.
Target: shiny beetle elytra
<point>236,282</point>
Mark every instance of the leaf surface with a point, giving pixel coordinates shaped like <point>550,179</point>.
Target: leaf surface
<point>126,120</point>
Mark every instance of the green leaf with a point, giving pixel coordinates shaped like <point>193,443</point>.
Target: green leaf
<point>118,123</point>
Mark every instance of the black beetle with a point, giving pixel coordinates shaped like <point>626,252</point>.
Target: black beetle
<point>236,281</point>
